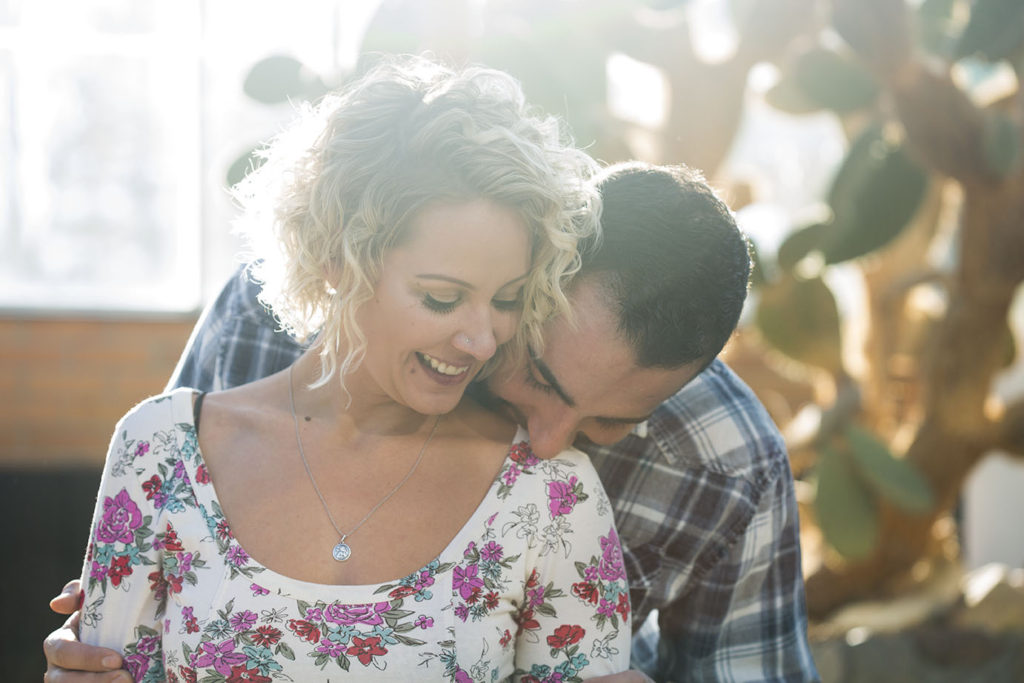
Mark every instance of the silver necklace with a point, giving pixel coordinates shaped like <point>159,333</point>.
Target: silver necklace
<point>342,551</point>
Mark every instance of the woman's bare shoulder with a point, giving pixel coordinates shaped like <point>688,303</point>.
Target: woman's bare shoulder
<point>474,421</point>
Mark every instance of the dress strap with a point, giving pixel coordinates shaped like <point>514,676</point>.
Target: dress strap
<point>197,407</point>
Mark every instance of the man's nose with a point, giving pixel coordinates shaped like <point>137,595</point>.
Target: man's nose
<point>551,434</point>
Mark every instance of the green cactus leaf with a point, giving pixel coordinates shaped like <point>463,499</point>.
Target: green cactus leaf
<point>787,95</point>
<point>799,244</point>
<point>995,30</point>
<point>800,319</point>
<point>280,78</point>
<point>846,509</point>
<point>894,478</point>
<point>876,192</point>
<point>1001,143</point>
<point>936,26</point>
<point>834,81</point>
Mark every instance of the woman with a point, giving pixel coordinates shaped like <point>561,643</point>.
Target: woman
<point>355,515</point>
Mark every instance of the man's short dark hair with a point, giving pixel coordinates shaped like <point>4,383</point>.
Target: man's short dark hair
<point>672,260</point>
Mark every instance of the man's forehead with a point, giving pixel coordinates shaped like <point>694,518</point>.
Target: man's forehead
<point>592,319</point>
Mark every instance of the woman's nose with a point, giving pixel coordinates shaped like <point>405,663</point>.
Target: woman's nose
<point>477,338</point>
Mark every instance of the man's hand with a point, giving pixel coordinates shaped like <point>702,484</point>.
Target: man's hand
<point>624,677</point>
<point>69,661</point>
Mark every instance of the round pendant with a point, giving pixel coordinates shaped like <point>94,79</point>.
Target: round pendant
<point>341,551</point>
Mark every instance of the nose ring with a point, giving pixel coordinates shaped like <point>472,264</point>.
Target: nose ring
<point>466,340</point>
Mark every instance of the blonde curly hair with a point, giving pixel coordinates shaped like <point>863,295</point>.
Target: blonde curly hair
<point>340,187</point>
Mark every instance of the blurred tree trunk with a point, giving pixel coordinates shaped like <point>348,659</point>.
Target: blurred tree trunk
<point>960,424</point>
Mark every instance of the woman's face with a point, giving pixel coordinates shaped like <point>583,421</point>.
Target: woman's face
<point>448,295</point>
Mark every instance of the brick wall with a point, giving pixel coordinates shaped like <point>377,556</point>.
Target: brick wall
<point>65,383</point>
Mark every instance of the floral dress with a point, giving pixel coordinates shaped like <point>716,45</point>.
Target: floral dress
<point>532,587</point>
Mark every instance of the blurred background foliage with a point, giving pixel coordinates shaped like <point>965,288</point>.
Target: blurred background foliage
<point>926,208</point>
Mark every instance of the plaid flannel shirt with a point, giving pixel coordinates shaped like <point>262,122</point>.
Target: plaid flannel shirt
<point>703,500</point>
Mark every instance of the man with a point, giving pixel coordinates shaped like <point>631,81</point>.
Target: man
<point>696,471</point>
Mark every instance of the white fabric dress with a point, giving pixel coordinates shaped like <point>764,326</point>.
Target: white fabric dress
<point>531,588</point>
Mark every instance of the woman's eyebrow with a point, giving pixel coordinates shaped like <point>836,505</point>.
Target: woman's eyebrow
<point>463,283</point>
<point>445,278</point>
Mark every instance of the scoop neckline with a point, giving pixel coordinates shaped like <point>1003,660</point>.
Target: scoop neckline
<point>206,493</point>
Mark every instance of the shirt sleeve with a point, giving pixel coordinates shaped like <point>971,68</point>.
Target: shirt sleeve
<point>235,341</point>
<point>121,577</point>
<point>574,619</point>
<point>744,619</point>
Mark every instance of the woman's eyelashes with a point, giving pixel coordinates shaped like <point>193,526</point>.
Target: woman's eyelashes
<point>444,305</point>
<point>513,304</point>
<point>440,305</point>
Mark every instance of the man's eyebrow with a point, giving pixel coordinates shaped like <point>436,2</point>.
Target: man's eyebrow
<point>623,420</point>
<point>549,377</point>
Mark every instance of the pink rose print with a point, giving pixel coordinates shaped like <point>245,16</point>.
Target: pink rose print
<point>121,516</point>
<point>611,565</point>
<point>221,657</point>
<point>346,615</point>
<point>561,497</point>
